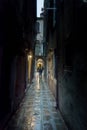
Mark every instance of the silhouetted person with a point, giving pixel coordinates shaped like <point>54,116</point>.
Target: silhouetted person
<point>40,70</point>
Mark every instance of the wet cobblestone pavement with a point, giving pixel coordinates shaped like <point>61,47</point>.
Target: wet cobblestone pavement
<point>37,111</point>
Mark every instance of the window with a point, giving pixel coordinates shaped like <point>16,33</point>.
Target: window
<point>37,27</point>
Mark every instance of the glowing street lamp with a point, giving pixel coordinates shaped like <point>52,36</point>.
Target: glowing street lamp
<point>29,65</point>
<point>29,57</point>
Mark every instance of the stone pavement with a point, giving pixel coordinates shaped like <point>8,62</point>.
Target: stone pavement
<point>37,110</point>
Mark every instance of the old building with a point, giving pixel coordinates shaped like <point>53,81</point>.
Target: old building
<point>39,47</point>
<point>17,20</point>
<point>65,32</point>
<point>50,42</point>
<point>39,37</point>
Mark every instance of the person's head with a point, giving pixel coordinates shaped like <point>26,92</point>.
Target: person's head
<point>40,65</point>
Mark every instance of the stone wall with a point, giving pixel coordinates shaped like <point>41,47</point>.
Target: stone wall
<point>72,65</point>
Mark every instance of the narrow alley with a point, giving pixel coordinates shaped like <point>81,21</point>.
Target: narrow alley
<point>53,45</point>
<point>37,110</point>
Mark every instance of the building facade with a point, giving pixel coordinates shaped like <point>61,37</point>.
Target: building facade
<point>39,37</point>
<point>50,41</point>
<point>17,21</point>
<point>66,54</point>
<point>39,50</point>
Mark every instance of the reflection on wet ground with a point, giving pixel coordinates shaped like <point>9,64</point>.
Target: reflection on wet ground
<point>37,110</point>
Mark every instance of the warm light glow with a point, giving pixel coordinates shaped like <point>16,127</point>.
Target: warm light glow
<point>29,57</point>
<point>26,49</point>
<point>29,65</point>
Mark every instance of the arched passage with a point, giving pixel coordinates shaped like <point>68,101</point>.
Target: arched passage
<point>39,62</point>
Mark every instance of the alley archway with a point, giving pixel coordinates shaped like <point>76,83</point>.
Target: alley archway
<point>40,62</point>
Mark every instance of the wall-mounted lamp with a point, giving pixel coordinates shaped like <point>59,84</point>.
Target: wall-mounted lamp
<point>29,55</point>
<point>26,49</point>
<point>43,9</point>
